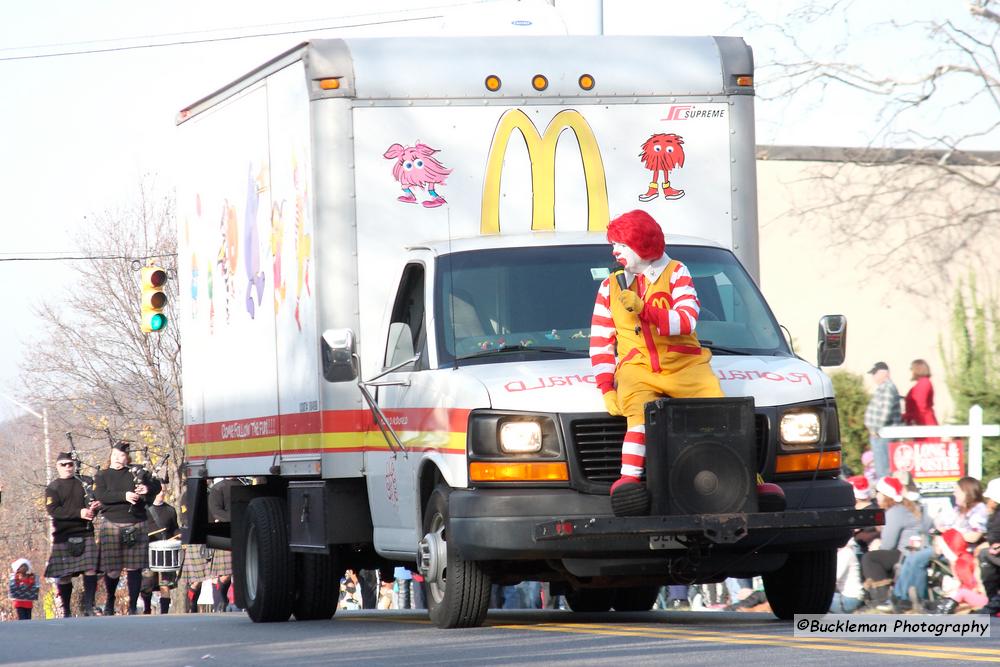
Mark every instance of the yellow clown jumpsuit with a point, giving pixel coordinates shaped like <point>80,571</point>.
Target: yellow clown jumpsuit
<point>651,365</point>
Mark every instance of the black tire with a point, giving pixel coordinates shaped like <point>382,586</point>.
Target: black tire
<point>268,567</point>
<point>590,599</point>
<point>637,598</point>
<point>462,599</point>
<point>317,586</point>
<point>805,584</point>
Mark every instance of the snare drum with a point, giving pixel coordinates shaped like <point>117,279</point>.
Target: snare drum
<point>165,556</point>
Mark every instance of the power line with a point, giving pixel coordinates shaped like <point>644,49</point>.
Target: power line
<point>112,49</point>
<point>64,258</point>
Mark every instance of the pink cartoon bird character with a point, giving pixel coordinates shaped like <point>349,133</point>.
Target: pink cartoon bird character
<point>416,167</point>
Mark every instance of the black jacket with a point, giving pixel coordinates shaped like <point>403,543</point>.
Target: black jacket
<point>220,500</point>
<point>64,498</point>
<point>165,518</point>
<point>110,486</point>
<point>993,527</point>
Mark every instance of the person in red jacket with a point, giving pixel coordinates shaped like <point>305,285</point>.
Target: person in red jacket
<point>22,588</point>
<point>920,398</point>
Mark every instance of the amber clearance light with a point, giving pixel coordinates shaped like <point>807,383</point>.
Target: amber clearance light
<point>807,462</point>
<point>330,84</point>
<point>502,471</point>
<point>586,82</point>
<point>539,82</point>
<point>493,83</point>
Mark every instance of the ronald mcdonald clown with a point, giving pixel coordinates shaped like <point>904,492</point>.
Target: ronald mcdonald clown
<point>650,328</point>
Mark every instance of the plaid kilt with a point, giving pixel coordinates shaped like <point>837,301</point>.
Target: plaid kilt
<point>222,564</point>
<point>62,563</point>
<point>115,556</point>
<point>195,565</point>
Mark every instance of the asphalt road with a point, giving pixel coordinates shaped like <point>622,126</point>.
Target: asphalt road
<point>509,638</point>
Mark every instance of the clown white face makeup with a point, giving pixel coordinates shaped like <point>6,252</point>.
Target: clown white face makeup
<point>628,258</point>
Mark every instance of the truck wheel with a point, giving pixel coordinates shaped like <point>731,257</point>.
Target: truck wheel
<point>590,599</point>
<point>459,595</point>
<point>268,566</point>
<point>317,586</point>
<point>803,585</point>
<point>637,598</point>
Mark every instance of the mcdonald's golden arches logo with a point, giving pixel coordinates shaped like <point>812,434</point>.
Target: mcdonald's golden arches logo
<point>660,300</point>
<point>542,155</point>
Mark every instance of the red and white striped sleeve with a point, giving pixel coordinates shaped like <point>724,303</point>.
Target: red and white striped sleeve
<point>602,339</point>
<point>682,318</point>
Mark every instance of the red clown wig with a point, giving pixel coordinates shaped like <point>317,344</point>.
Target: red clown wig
<point>638,231</point>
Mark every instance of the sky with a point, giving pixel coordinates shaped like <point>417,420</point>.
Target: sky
<point>81,130</point>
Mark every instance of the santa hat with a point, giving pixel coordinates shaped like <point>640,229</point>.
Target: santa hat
<point>862,488</point>
<point>891,488</point>
<point>638,231</point>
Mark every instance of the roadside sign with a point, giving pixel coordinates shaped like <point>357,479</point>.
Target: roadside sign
<point>934,464</point>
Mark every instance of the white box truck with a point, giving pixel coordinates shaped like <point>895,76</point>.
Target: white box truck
<point>388,257</point>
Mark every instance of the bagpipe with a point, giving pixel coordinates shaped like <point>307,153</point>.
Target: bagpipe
<point>142,475</point>
<point>86,480</point>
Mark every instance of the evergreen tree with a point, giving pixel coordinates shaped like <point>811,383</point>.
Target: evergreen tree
<point>973,365</point>
<point>852,399</point>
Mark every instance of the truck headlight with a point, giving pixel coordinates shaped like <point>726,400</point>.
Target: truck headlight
<point>800,428</point>
<point>520,437</point>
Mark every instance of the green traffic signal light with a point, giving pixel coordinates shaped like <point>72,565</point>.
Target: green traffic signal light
<point>154,299</point>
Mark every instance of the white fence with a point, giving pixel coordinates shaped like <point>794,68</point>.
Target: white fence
<point>975,431</point>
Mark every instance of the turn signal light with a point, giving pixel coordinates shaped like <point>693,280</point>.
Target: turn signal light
<point>330,84</point>
<point>745,80</point>
<point>502,471</point>
<point>807,462</point>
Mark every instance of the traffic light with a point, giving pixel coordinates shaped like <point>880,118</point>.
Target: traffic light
<point>154,299</point>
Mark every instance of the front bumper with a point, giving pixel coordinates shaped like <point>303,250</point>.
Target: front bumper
<point>541,524</point>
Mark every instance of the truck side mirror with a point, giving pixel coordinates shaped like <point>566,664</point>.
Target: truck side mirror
<point>832,340</point>
<point>338,354</point>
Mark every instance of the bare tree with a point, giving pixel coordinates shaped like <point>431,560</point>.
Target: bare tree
<point>94,367</point>
<point>24,522</point>
<point>936,202</point>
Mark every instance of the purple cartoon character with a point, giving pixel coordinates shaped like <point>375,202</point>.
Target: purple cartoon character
<point>416,167</point>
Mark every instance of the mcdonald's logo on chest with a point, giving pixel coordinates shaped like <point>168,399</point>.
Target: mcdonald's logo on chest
<point>542,156</point>
<point>660,300</point>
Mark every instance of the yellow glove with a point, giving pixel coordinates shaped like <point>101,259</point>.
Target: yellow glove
<point>611,403</point>
<point>631,301</point>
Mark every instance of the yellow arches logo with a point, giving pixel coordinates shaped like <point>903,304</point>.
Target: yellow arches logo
<point>542,155</point>
<point>660,300</point>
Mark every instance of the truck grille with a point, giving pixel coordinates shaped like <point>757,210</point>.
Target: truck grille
<point>598,446</point>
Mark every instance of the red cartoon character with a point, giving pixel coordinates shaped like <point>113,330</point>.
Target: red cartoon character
<point>416,167</point>
<point>662,152</point>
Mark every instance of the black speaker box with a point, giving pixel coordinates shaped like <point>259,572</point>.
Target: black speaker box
<point>700,456</point>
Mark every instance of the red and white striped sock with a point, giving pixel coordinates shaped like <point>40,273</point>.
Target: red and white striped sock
<point>634,451</point>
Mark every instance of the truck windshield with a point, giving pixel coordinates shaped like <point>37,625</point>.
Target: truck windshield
<point>507,304</point>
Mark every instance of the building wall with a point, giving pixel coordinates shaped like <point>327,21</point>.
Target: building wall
<point>896,312</point>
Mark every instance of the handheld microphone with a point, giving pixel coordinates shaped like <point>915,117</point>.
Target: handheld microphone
<point>620,277</point>
<point>623,286</point>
